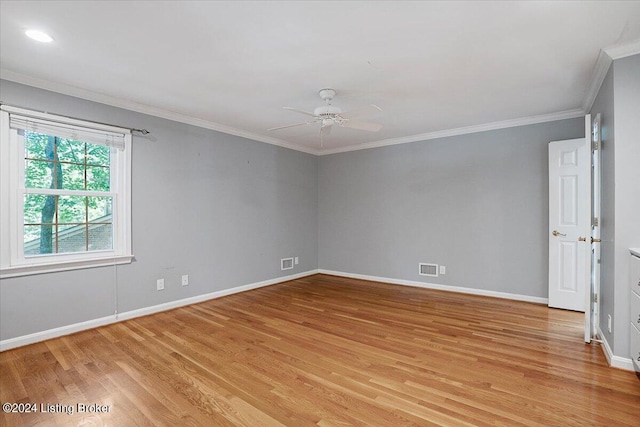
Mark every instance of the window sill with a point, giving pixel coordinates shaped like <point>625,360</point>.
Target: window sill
<point>28,270</point>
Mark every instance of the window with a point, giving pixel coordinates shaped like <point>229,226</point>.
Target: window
<point>65,188</point>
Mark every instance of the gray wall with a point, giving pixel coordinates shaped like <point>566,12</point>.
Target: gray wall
<point>476,203</point>
<point>626,77</point>
<point>618,101</point>
<point>220,208</point>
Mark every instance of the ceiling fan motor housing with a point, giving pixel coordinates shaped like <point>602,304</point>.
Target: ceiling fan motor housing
<point>327,94</point>
<point>327,111</point>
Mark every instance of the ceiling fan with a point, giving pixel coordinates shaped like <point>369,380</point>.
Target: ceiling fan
<point>327,115</point>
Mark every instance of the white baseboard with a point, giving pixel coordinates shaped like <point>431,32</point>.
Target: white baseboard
<point>613,360</point>
<point>10,343</point>
<point>449,288</point>
<point>94,323</point>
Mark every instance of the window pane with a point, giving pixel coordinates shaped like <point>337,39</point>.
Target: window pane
<point>39,239</point>
<point>98,178</point>
<point>35,144</point>
<point>70,151</point>
<point>98,155</point>
<point>72,176</point>
<point>100,209</point>
<point>100,237</point>
<point>72,239</point>
<point>72,209</point>
<point>31,239</point>
<point>37,174</point>
<point>34,207</point>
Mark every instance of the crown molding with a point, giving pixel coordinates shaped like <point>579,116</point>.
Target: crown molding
<point>623,50</point>
<point>605,59</point>
<point>144,109</point>
<point>562,115</point>
<point>597,77</point>
<point>182,118</point>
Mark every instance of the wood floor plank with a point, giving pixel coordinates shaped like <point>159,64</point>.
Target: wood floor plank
<point>327,351</point>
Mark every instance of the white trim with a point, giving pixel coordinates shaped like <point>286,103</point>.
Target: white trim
<point>6,182</point>
<point>213,295</point>
<point>605,59</point>
<point>562,115</point>
<point>624,50</point>
<point>145,109</point>
<point>58,266</point>
<point>458,289</point>
<point>612,360</point>
<point>597,78</point>
<point>55,332</point>
<point>63,192</point>
<point>206,124</point>
<point>102,321</point>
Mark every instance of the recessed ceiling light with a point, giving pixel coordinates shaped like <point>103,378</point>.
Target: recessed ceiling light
<point>39,36</point>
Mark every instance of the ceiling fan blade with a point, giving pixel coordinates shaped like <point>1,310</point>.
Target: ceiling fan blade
<point>325,130</point>
<point>368,126</point>
<point>367,110</point>
<point>290,126</point>
<point>299,111</point>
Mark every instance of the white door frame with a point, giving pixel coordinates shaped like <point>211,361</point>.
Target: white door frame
<point>596,150</point>
<point>588,308</point>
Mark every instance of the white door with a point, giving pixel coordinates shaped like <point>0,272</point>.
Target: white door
<point>569,225</point>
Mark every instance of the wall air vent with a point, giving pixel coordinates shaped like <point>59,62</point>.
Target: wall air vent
<point>286,264</point>
<point>428,269</point>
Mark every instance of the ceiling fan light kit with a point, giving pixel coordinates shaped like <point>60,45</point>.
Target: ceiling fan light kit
<point>327,115</point>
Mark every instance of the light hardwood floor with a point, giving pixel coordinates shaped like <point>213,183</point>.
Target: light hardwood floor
<point>327,351</point>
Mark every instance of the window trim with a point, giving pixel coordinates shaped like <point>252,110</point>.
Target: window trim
<point>13,263</point>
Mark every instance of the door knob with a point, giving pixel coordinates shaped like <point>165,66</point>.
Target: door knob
<point>556,233</point>
<point>595,240</point>
<point>582,239</point>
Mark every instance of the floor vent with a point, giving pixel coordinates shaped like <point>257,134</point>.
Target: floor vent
<point>286,264</point>
<point>428,269</point>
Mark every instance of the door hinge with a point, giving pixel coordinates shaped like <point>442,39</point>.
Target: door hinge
<point>595,146</point>
<point>595,222</point>
<point>595,298</point>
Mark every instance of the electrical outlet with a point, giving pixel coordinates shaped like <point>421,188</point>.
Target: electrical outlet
<point>185,279</point>
<point>160,284</point>
<point>295,260</point>
<point>609,323</point>
<point>443,270</point>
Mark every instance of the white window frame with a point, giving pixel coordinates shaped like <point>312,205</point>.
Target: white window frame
<point>12,260</point>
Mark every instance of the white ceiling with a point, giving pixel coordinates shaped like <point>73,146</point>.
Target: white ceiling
<point>435,68</point>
